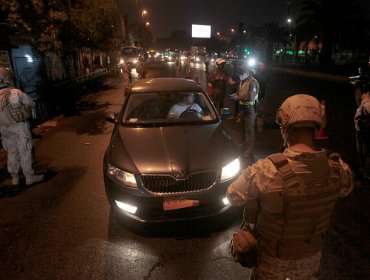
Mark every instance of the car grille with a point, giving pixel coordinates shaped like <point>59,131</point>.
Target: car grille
<point>167,184</point>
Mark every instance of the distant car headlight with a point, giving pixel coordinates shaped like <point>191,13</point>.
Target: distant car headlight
<point>125,177</point>
<point>230,170</point>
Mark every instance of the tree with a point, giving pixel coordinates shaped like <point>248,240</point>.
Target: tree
<point>38,18</point>
<point>94,23</point>
<point>57,23</point>
<point>333,21</point>
<point>273,33</point>
<point>141,35</point>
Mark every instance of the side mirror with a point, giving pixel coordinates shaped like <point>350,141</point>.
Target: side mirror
<point>110,117</point>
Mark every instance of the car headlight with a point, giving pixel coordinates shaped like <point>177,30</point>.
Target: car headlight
<point>125,177</point>
<point>230,170</point>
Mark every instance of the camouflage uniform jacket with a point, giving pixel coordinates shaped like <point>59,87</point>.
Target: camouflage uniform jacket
<point>263,177</point>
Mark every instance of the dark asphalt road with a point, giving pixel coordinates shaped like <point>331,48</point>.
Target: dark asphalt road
<point>62,228</point>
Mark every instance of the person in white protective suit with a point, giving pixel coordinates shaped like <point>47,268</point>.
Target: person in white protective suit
<point>15,110</point>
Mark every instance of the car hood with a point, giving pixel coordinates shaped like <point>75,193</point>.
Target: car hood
<point>166,149</point>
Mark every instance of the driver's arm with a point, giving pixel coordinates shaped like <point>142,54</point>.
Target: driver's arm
<point>197,108</point>
<point>172,113</point>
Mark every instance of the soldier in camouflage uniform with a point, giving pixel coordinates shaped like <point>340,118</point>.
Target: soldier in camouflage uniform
<point>219,80</point>
<point>296,193</point>
<point>15,131</point>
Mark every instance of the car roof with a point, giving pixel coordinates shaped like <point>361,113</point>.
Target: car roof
<point>165,84</point>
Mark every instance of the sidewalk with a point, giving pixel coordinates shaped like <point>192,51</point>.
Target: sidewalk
<point>39,130</point>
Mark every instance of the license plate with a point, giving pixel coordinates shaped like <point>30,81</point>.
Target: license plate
<point>169,205</point>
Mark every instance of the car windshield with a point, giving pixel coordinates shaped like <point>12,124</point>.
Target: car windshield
<point>129,52</point>
<point>167,108</point>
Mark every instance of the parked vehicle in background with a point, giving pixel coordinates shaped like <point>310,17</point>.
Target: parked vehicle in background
<point>154,54</point>
<point>169,157</point>
<point>131,55</point>
<point>198,54</point>
<point>171,54</point>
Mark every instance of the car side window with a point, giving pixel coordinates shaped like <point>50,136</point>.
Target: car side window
<point>147,110</point>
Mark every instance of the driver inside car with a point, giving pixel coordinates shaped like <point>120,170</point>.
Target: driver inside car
<point>186,105</point>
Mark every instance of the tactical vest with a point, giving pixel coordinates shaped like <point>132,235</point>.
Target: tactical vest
<point>291,223</point>
<point>9,114</point>
<point>251,99</point>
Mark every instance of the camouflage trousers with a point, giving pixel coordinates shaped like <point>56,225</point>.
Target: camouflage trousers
<point>278,269</point>
<point>17,141</point>
<point>247,126</point>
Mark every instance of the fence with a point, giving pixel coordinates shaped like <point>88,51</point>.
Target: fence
<point>61,97</point>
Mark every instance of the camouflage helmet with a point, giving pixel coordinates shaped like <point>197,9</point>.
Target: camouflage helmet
<point>301,110</point>
<point>6,76</point>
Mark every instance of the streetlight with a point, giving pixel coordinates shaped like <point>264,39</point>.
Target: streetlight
<point>293,37</point>
<point>143,13</point>
<point>147,24</point>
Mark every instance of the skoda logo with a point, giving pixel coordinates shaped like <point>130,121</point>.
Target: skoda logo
<point>179,173</point>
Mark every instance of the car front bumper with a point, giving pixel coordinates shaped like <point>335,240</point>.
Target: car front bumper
<point>150,207</point>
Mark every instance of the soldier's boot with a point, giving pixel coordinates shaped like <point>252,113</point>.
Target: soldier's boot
<point>15,178</point>
<point>32,179</point>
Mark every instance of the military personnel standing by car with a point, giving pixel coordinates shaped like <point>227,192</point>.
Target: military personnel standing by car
<point>262,78</point>
<point>15,110</point>
<point>247,95</point>
<point>219,82</point>
<point>206,63</point>
<point>296,192</point>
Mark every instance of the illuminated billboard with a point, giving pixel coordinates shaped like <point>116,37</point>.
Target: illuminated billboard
<point>200,31</point>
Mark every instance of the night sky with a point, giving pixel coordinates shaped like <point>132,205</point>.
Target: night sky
<point>167,15</point>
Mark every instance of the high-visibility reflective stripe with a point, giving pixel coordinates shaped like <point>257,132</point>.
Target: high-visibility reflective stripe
<point>249,103</point>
